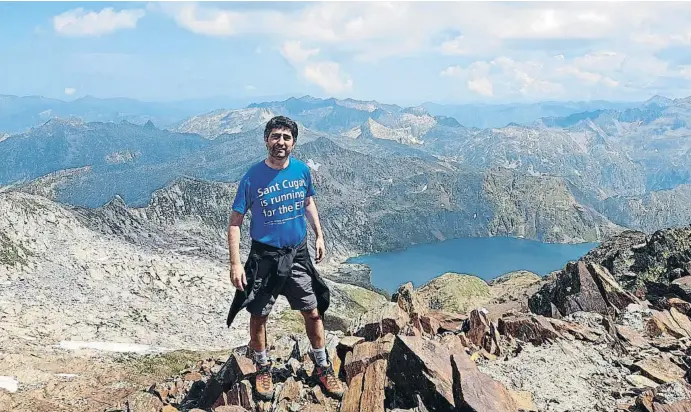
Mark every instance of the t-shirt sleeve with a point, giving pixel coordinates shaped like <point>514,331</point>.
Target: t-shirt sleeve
<point>310,185</point>
<point>242,200</point>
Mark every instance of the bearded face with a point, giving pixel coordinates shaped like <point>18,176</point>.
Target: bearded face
<point>280,143</point>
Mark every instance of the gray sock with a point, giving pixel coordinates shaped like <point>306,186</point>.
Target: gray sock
<point>320,356</point>
<point>261,357</point>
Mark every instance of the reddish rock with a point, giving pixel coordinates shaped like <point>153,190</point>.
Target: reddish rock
<point>573,289</point>
<point>430,325</point>
<point>534,329</point>
<point>422,366</point>
<point>662,322</point>
<point>682,287</point>
<point>660,369</point>
<point>236,368</point>
<point>407,299</point>
<point>579,332</point>
<point>373,396</point>
<point>631,337</point>
<point>364,354</point>
<point>246,395</point>
<point>474,391</point>
<point>482,333</point>
<point>192,376</point>
<point>679,304</point>
<point>614,294</point>
<point>440,321</point>
<point>419,365</point>
<point>230,408</point>
<point>351,398</point>
<point>671,397</point>
<point>390,318</point>
<point>524,401</point>
<point>681,320</point>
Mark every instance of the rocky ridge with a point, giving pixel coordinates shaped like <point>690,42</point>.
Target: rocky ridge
<point>219,122</point>
<point>599,348</point>
<point>113,280</point>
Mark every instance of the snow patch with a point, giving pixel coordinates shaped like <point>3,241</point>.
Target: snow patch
<point>109,346</point>
<point>313,165</point>
<point>9,383</point>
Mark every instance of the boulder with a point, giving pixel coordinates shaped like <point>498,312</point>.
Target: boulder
<point>682,288</point>
<point>645,265</point>
<point>419,366</point>
<point>660,369</point>
<point>407,299</point>
<point>482,333</point>
<point>389,318</point>
<point>670,397</point>
<point>437,321</point>
<point>581,287</point>
<point>570,290</point>
<point>474,391</point>
<point>365,353</point>
<point>233,371</point>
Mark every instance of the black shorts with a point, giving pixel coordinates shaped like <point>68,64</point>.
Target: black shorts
<point>297,290</point>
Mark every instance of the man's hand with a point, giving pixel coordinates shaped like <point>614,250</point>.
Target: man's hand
<point>320,249</point>
<point>237,276</point>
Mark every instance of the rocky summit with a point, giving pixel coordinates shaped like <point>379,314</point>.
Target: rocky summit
<point>114,268</point>
<point>577,340</point>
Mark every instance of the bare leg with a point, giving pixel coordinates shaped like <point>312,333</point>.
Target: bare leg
<point>263,381</point>
<point>315,328</point>
<point>258,332</point>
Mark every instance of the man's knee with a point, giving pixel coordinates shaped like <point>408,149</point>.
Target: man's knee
<point>312,315</point>
<point>258,319</point>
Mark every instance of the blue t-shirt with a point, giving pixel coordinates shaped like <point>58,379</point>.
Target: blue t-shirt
<point>277,201</point>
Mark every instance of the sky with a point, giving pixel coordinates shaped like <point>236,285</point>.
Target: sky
<point>392,52</point>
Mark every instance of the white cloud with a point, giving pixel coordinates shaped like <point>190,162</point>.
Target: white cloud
<point>78,22</point>
<point>250,88</point>
<point>451,71</point>
<point>329,77</point>
<point>295,53</point>
<point>481,86</point>
<point>411,27</point>
<point>685,72</point>
<point>658,41</point>
<point>325,74</point>
<point>70,91</point>
<point>523,44</point>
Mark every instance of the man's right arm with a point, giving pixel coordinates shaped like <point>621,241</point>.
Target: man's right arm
<point>237,271</point>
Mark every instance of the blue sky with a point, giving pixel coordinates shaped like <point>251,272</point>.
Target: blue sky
<point>404,53</point>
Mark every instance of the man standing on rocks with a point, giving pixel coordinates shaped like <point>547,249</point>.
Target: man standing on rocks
<point>278,191</point>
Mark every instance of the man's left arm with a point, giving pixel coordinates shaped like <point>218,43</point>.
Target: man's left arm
<point>313,217</point>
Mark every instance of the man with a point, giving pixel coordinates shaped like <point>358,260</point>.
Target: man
<point>279,193</point>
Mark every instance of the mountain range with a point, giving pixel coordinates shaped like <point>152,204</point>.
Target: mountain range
<point>391,176</point>
<point>20,113</point>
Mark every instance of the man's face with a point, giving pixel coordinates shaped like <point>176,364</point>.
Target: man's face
<point>280,143</point>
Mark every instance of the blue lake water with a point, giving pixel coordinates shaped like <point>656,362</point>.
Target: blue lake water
<point>486,257</point>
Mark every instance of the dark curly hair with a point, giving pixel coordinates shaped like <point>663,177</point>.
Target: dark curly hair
<point>280,122</point>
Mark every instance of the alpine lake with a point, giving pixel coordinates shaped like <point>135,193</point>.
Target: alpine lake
<point>485,257</point>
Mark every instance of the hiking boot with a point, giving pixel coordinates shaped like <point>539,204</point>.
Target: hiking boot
<point>329,381</point>
<point>263,383</point>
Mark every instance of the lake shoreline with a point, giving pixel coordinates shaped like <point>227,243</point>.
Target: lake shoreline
<point>487,257</point>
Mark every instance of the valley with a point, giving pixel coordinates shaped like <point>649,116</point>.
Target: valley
<point>113,234</point>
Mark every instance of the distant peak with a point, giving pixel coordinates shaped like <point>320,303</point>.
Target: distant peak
<point>60,121</point>
<point>149,125</point>
<point>417,111</point>
<point>116,202</point>
<point>659,100</point>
